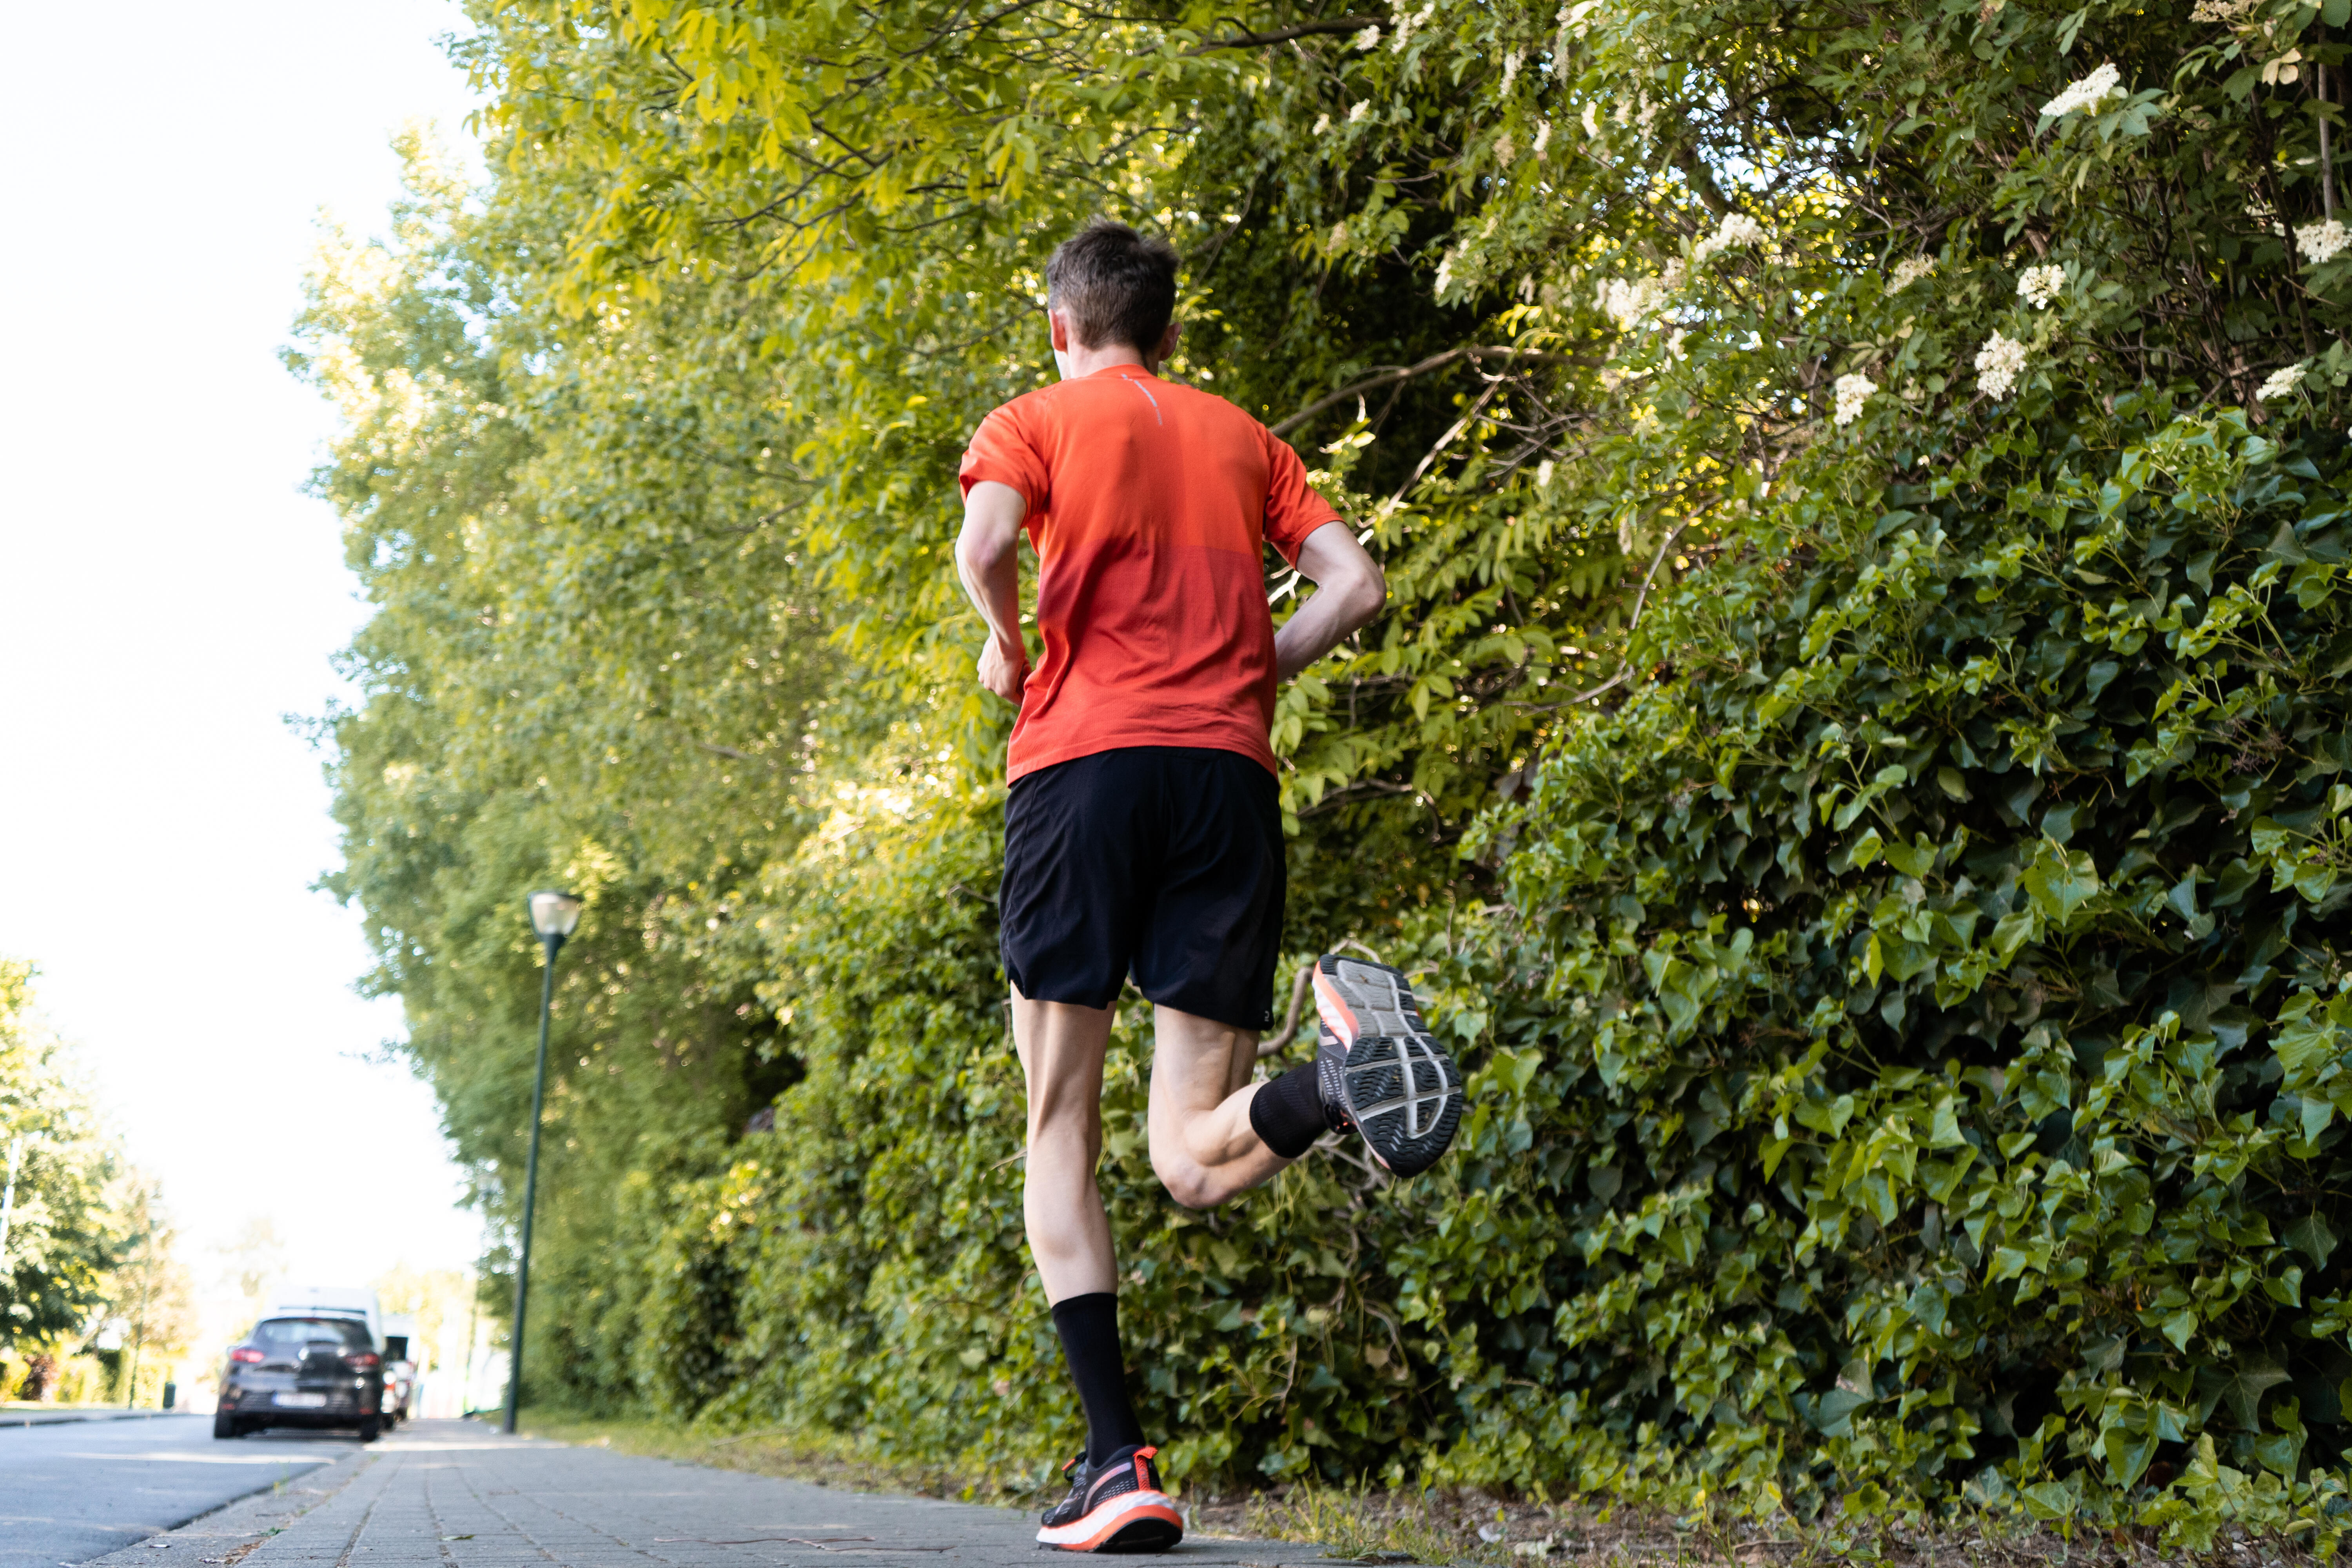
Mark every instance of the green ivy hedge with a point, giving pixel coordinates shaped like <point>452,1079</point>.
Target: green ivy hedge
<point>1935,1006</point>
<point>1907,1061</point>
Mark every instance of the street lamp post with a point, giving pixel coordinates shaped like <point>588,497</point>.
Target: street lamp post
<point>553,916</point>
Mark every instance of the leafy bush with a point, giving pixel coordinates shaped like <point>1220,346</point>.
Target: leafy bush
<point>1914,1076</point>
<point>1938,999</point>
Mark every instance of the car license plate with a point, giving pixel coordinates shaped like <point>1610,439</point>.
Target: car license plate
<point>302,1401</point>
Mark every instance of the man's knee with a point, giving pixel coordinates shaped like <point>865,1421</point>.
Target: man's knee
<point>1189,1182</point>
<point>1066,1119</point>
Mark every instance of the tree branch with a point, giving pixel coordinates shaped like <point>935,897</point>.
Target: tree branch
<point>1284,34</point>
<point>1406,373</point>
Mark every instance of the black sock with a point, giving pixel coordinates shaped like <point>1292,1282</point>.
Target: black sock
<point>1288,1113</point>
<point>1089,1328</point>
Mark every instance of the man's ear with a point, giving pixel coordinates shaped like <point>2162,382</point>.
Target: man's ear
<point>1167,342</point>
<point>1058,326</point>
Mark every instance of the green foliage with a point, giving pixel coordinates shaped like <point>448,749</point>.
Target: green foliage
<point>68,1233</point>
<point>559,689</point>
<point>1928,1001</point>
<point>1864,596</point>
<point>885,1284</point>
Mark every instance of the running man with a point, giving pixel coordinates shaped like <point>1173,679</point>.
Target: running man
<point>1142,833</point>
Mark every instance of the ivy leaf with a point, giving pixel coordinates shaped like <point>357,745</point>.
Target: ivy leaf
<point>2240,1385</point>
<point>2313,1237</point>
<point>2013,931</point>
<point>1833,1415</point>
<point>2061,884</point>
<point>2049,1499</point>
<point>1914,859</point>
<point>2129,1451</point>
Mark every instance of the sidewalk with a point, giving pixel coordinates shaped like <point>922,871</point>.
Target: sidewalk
<point>451,1494</point>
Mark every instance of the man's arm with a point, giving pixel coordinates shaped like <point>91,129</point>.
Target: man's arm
<point>1349,592</point>
<point>988,559</point>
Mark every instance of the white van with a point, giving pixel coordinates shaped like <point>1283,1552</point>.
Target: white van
<point>334,1301</point>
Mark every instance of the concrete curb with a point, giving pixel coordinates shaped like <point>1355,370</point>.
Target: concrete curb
<point>59,1418</point>
<point>226,1533</point>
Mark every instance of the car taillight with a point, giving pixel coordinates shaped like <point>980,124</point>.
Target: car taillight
<point>362,1361</point>
<point>244,1354</point>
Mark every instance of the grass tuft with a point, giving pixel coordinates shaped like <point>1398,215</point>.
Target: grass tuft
<point>1466,1527</point>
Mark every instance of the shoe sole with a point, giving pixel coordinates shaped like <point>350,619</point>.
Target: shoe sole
<point>1133,1521</point>
<point>1356,999</point>
<point>1401,1090</point>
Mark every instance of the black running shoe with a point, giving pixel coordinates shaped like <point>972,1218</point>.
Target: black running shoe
<point>1116,1506</point>
<point>1379,1067</point>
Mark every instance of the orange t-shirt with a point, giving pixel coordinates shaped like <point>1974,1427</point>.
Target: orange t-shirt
<point>1151,505</point>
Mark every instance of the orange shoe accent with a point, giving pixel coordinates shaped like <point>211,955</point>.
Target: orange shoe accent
<point>1154,1511</point>
<point>1335,1011</point>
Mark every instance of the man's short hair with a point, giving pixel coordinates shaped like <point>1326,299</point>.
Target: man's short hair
<point>1115,285</point>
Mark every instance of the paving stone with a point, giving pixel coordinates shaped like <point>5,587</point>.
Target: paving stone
<point>452,1494</point>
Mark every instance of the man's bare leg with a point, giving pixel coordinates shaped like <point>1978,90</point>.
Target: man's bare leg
<point>1202,1145</point>
<point>1061,1048</point>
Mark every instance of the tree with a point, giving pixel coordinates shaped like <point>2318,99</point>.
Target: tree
<point>254,1263</point>
<point>152,1295</point>
<point>64,1235</point>
<point>441,1302</point>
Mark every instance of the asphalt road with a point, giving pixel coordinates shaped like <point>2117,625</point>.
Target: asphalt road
<point>81,1489</point>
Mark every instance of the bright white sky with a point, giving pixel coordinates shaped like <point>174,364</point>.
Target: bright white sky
<point>167,594</point>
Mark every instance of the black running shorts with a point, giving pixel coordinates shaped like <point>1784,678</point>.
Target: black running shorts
<point>1162,860</point>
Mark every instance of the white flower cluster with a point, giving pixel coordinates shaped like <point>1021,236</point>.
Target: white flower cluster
<point>1357,114</point>
<point>2088,93</point>
<point>1543,139</point>
<point>1322,125</point>
<point>1909,270</point>
<point>1590,118</point>
<point>1405,25</point>
<point>2286,379</point>
<point>1853,392</point>
<point>1504,149</point>
<point>1999,364</point>
<point>2222,10</point>
<point>1510,70</point>
<point>2039,286</point>
<point>1736,229</point>
<point>1370,39</point>
<point>2323,242</point>
<point>1638,114</point>
<point>1630,303</point>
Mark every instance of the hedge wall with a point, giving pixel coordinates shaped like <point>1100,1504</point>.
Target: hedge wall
<point>1908,1060</point>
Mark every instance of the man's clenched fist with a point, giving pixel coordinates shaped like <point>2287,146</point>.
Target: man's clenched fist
<point>1002,670</point>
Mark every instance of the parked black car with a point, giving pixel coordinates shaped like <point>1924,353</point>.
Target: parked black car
<point>303,1371</point>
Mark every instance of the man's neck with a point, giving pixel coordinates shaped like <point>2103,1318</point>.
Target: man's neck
<point>1085,362</point>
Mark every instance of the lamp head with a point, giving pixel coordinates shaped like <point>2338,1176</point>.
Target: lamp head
<point>554,916</point>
